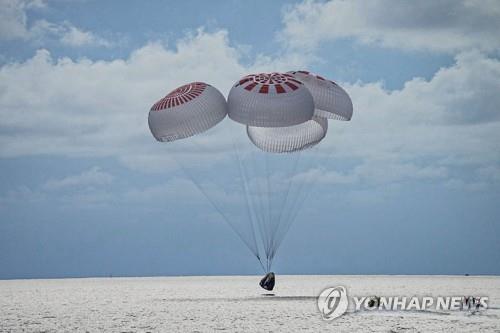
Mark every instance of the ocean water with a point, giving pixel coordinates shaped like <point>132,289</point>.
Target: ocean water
<point>234,303</point>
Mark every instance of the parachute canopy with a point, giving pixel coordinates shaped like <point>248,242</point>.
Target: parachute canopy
<point>186,111</point>
<point>288,139</point>
<point>270,100</point>
<point>330,100</point>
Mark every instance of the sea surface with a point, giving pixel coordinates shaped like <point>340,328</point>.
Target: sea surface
<point>235,303</point>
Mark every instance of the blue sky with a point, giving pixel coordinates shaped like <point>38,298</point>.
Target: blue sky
<point>410,186</point>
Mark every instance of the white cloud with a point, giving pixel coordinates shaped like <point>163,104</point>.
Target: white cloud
<point>14,25</point>
<point>461,185</point>
<point>76,37</point>
<point>152,195</point>
<point>92,177</point>
<point>452,118</point>
<point>375,172</point>
<point>489,173</point>
<point>66,33</point>
<point>91,189</point>
<point>22,194</point>
<point>429,128</point>
<point>443,26</point>
<point>13,18</point>
<point>99,108</point>
<point>87,108</point>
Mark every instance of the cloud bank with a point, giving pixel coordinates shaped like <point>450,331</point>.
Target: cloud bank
<point>14,25</point>
<point>439,26</point>
<point>427,129</point>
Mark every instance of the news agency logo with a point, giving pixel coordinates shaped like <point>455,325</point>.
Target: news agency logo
<point>333,303</point>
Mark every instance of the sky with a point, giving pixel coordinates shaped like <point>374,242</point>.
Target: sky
<point>410,186</point>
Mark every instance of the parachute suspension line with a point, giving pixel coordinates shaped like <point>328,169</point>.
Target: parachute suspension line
<point>226,219</point>
<point>300,199</point>
<point>262,265</point>
<point>288,219</point>
<point>294,195</point>
<point>268,201</point>
<point>250,217</point>
<point>284,202</point>
<point>248,198</point>
<point>260,200</point>
<point>242,181</point>
<point>274,185</point>
<point>285,218</point>
<point>257,205</point>
<point>261,194</point>
<point>294,216</point>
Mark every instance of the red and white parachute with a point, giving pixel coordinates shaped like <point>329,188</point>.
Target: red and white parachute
<point>280,116</point>
<point>186,111</point>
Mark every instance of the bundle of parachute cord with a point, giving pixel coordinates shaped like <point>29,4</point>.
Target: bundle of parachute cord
<point>281,113</point>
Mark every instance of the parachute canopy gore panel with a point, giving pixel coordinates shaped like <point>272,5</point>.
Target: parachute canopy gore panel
<point>270,100</point>
<point>186,111</point>
<point>330,100</point>
<point>288,139</point>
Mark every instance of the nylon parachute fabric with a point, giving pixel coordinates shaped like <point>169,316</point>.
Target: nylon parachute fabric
<point>270,100</point>
<point>188,110</point>
<point>288,139</point>
<point>330,100</point>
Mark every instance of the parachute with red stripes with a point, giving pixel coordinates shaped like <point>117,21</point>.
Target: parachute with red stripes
<point>256,168</point>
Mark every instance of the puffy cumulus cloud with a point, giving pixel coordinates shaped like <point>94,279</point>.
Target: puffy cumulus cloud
<point>376,179</point>
<point>376,172</point>
<point>13,18</point>
<point>99,108</point>
<point>93,189</point>
<point>87,188</point>
<point>92,177</point>
<point>77,37</point>
<point>173,189</point>
<point>443,26</point>
<point>462,185</point>
<point>154,196</point>
<point>463,94</point>
<point>22,194</point>
<point>428,129</point>
<point>489,173</point>
<point>14,25</point>
<point>67,34</point>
